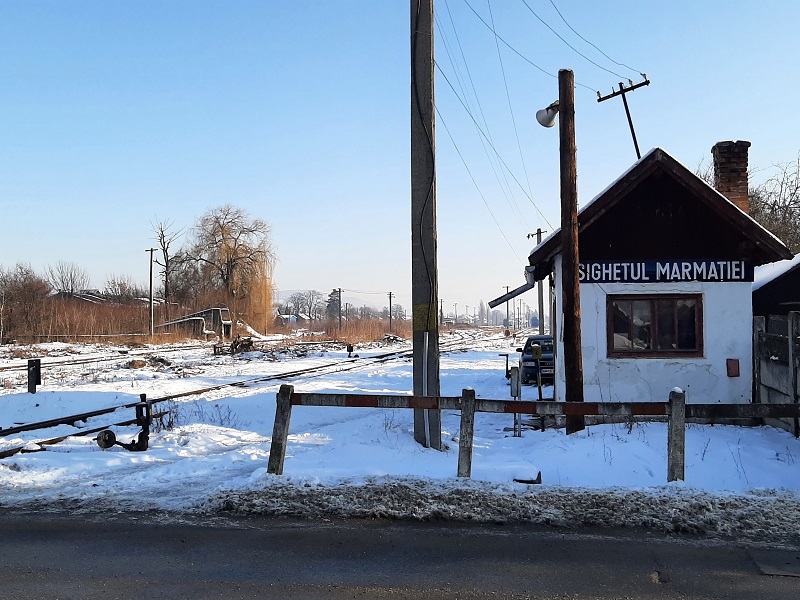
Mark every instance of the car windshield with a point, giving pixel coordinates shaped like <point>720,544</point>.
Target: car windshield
<point>546,344</point>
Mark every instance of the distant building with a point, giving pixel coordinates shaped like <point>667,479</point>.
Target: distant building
<point>206,323</point>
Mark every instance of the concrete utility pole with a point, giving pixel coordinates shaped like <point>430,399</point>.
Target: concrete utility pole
<point>573,361</point>
<point>424,268</point>
<point>152,324</point>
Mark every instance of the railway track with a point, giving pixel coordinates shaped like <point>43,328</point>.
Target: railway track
<point>457,342</point>
<point>119,355</point>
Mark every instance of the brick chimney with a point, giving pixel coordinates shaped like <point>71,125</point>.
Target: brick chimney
<point>730,172</point>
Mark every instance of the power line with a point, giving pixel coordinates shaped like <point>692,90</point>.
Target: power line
<point>501,178</point>
<point>475,183</point>
<point>362,291</point>
<point>508,97</point>
<point>518,53</point>
<point>524,191</point>
<point>574,49</point>
<point>590,43</point>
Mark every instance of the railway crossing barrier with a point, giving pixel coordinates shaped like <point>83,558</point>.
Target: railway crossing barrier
<point>676,410</point>
<point>144,419</point>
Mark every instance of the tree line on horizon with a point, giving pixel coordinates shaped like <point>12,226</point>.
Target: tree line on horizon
<point>226,258</point>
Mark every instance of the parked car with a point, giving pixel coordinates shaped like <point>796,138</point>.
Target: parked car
<point>527,364</point>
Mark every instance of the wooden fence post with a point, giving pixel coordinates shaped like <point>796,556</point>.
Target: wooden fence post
<point>280,432</point>
<point>676,437</point>
<point>467,432</point>
<point>759,327</point>
<point>793,331</point>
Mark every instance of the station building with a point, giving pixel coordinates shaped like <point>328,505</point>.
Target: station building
<point>666,274</point>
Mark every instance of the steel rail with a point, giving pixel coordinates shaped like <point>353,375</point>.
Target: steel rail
<point>463,342</point>
<point>89,360</point>
<point>53,441</point>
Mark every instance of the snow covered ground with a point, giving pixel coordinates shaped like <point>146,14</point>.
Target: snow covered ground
<point>741,482</point>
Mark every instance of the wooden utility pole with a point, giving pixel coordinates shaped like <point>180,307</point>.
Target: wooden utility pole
<point>424,270</point>
<point>571,292</point>
<point>390,312</point>
<point>621,92</point>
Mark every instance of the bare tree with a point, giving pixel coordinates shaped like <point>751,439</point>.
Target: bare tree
<point>776,204</point>
<point>123,289</point>
<point>169,262</point>
<point>367,312</point>
<point>313,302</point>
<point>67,277</point>
<point>24,294</point>
<point>297,301</point>
<point>398,312</point>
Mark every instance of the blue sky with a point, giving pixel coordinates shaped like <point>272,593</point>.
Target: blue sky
<point>115,115</point>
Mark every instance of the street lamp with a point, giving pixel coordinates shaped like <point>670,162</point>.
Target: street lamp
<point>571,322</point>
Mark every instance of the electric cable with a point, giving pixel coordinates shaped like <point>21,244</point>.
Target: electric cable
<point>500,158</point>
<point>522,56</point>
<point>590,43</point>
<point>475,183</point>
<point>501,177</point>
<point>508,97</point>
<point>574,49</point>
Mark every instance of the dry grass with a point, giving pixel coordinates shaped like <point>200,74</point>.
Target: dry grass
<point>368,330</point>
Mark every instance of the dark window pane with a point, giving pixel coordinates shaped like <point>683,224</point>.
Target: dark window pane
<point>641,337</point>
<point>622,317</point>
<point>655,325</point>
<point>687,326</point>
<point>667,340</point>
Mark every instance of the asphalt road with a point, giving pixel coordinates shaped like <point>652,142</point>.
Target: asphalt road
<point>50,556</point>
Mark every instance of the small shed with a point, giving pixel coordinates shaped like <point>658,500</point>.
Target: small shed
<point>776,291</point>
<point>666,271</point>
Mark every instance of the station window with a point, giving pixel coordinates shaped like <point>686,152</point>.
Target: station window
<point>654,326</point>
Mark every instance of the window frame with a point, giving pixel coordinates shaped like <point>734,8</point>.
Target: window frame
<point>612,352</point>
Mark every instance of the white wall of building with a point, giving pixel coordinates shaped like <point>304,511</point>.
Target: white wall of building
<point>727,333</point>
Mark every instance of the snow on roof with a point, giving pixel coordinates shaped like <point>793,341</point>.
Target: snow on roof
<point>764,274</point>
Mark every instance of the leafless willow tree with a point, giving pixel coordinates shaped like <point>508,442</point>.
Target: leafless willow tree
<point>231,252</point>
<point>67,277</point>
